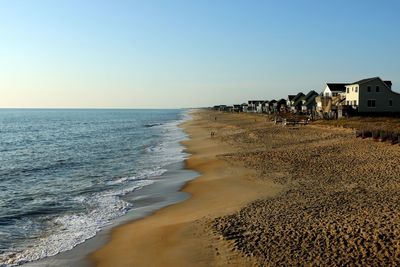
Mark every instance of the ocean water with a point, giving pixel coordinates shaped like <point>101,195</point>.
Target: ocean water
<point>63,173</point>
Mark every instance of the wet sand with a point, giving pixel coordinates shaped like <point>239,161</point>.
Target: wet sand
<point>270,195</point>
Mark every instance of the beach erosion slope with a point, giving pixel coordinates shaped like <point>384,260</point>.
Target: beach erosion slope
<point>270,195</point>
<point>181,234</point>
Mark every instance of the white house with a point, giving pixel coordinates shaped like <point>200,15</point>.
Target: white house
<point>253,104</point>
<point>373,95</point>
<point>262,107</point>
<point>334,89</point>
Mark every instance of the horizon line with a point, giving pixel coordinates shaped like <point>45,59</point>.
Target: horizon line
<point>94,108</point>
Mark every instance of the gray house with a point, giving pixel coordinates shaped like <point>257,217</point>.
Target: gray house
<point>296,102</point>
<point>373,95</point>
<point>308,102</point>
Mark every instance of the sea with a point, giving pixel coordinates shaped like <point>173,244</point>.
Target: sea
<point>66,174</point>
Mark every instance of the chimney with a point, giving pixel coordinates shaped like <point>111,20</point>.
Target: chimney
<point>388,83</point>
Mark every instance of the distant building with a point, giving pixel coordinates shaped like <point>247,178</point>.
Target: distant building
<point>237,108</point>
<point>372,95</point>
<point>296,102</point>
<point>308,102</point>
<point>261,106</point>
<point>264,106</point>
<point>334,89</point>
<point>253,104</point>
<point>271,106</point>
<point>289,100</point>
<point>245,106</point>
<point>280,105</point>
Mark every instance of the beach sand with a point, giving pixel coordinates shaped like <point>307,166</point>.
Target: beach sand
<point>181,234</point>
<point>270,195</point>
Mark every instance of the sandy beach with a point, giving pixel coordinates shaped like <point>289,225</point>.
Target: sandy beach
<point>270,195</point>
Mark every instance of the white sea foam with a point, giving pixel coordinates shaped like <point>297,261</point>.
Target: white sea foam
<point>118,181</point>
<point>73,229</point>
<point>70,230</point>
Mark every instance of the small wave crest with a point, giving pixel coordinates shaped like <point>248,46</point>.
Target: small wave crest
<point>149,125</point>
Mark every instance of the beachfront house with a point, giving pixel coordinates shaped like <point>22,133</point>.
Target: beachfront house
<point>253,104</point>
<point>221,107</point>
<point>296,102</point>
<point>308,102</point>
<point>280,105</point>
<point>334,89</point>
<point>245,106</point>
<point>265,108</point>
<point>237,108</point>
<point>372,96</point>
<point>289,100</point>
<point>271,104</point>
<point>261,107</point>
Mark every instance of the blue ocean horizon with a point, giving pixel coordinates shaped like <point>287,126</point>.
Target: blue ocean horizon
<point>65,172</point>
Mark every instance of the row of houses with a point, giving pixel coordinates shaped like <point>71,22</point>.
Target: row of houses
<point>367,96</point>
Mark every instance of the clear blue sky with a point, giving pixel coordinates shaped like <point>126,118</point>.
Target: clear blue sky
<point>189,53</point>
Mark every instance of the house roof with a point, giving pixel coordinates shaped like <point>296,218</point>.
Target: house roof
<point>310,97</point>
<point>255,101</point>
<point>337,87</point>
<point>291,97</point>
<point>298,96</point>
<point>364,80</point>
<point>310,100</point>
<point>281,101</point>
<point>298,102</point>
<point>388,83</point>
<point>310,94</point>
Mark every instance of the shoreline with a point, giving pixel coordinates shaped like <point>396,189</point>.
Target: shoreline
<point>179,235</point>
<point>165,191</point>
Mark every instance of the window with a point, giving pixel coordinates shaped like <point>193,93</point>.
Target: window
<point>369,89</point>
<point>347,102</point>
<point>348,91</point>
<point>371,103</point>
<point>355,103</point>
<point>377,89</point>
<point>390,103</point>
<point>356,89</point>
